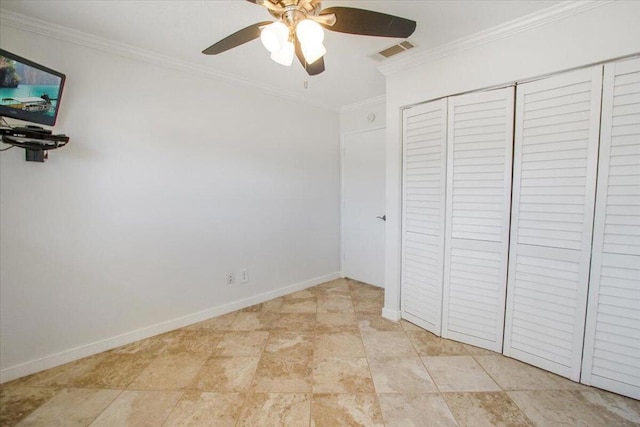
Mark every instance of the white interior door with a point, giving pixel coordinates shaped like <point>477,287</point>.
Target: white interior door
<point>364,170</point>
<point>555,165</point>
<point>480,147</point>
<point>612,337</point>
<point>423,213</point>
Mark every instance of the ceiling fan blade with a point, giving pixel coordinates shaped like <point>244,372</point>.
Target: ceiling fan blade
<point>369,23</point>
<point>238,38</point>
<point>312,69</point>
<point>326,20</point>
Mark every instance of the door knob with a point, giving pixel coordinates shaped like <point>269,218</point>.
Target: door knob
<point>383,217</point>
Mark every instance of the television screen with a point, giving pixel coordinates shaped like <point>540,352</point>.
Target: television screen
<point>29,91</point>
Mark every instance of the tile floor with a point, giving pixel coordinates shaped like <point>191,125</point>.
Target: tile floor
<point>318,357</point>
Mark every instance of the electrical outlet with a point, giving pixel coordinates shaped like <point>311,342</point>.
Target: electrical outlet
<point>244,275</point>
<point>230,279</point>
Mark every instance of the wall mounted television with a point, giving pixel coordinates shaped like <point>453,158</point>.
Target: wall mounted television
<point>29,91</point>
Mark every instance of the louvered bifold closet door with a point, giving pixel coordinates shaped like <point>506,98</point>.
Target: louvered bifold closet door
<point>555,161</point>
<point>480,141</point>
<point>612,339</point>
<point>424,166</point>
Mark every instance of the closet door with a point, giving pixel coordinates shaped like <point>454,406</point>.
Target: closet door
<point>612,339</point>
<point>479,165</point>
<point>424,178</point>
<point>555,160</point>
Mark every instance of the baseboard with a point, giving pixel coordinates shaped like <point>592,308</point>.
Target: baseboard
<point>393,315</point>
<point>28,368</point>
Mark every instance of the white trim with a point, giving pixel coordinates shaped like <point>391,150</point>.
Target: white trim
<point>66,356</point>
<point>59,32</point>
<point>364,103</point>
<point>422,56</point>
<point>355,132</point>
<point>390,314</point>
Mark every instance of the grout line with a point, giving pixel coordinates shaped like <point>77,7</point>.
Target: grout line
<point>182,393</point>
<point>105,408</point>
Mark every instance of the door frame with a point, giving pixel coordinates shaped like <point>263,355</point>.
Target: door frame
<point>342,199</point>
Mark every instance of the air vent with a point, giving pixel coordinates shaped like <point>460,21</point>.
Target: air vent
<point>396,49</point>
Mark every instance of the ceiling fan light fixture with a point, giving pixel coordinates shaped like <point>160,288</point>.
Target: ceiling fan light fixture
<point>309,33</point>
<point>274,36</point>
<point>285,55</point>
<point>313,53</point>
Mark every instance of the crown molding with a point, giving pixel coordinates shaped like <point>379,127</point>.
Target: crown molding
<point>414,58</point>
<point>364,103</point>
<point>59,32</point>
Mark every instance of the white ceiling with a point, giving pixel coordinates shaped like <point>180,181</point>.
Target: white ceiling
<point>182,29</point>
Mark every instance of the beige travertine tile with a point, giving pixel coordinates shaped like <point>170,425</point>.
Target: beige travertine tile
<point>331,289</point>
<point>282,375</point>
<point>199,342</point>
<point>511,374</point>
<point>624,407</point>
<point>63,375</point>
<point>168,372</point>
<point>485,409</point>
<point>206,409</point>
<point>427,344</point>
<point>298,305</point>
<point>290,345</point>
<point>241,344</point>
<point>334,303</point>
<point>376,323</point>
<point>252,321</point>
<point>405,410</point>
<point>138,408</point>
<point>272,305</point>
<point>334,286</point>
<point>477,351</point>
<point>226,374</point>
<point>357,286</point>
<point>342,375</point>
<point>276,409</point>
<point>218,323</point>
<point>294,322</point>
<point>408,326</point>
<point>278,392</point>
<point>255,307</point>
<point>566,408</point>
<point>366,296</point>
<point>401,375</point>
<point>367,306</point>
<point>148,347</point>
<point>337,322</point>
<point>388,344</point>
<point>345,410</point>
<point>71,407</point>
<point>300,295</point>
<point>113,371</point>
<point>458,373</point>
<point>17,401</point>
<point>340,344</point>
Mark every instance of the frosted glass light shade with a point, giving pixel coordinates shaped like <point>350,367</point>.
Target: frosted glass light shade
<point>313,52</point>
<point>311,36</point>
<point>285,55</point>
<point>274,36</point>
<point>309,32</point>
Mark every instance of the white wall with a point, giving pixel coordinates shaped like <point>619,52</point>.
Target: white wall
<point>600,34</point>
<point>170,181</point>
<point>357,117</point>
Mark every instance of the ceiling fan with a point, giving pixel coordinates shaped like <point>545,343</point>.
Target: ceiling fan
<point>298,30</point>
